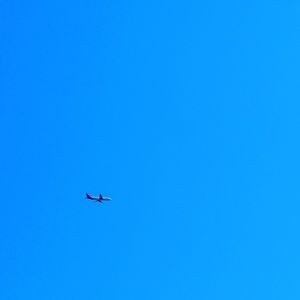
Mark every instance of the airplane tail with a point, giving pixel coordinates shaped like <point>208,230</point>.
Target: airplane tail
<point>88,196</point>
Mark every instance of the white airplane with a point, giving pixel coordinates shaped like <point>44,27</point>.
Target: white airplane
<point>100,198</point>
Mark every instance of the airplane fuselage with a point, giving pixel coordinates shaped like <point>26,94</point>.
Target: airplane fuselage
<point>98,199</point>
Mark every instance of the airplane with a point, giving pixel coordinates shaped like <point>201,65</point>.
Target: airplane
<point>100,198</point>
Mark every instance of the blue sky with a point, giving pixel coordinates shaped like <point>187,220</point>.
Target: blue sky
<point>186,113</point>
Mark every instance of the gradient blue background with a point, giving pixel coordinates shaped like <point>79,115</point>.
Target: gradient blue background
<point>186,113</point>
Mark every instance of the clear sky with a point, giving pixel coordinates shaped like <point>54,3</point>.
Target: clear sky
<point>186,113</point>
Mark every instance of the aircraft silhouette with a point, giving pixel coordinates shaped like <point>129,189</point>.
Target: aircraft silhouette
<point>100,198</point>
